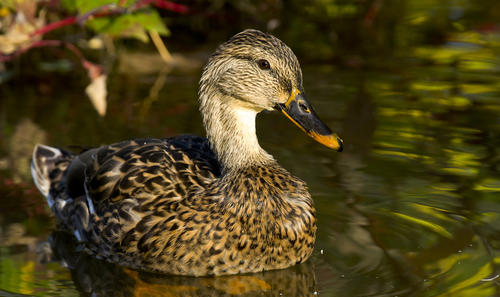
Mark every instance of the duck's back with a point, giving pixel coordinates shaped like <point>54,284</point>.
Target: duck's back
<point>102,193</point>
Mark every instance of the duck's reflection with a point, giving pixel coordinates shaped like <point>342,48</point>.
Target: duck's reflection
<point>94,277</point>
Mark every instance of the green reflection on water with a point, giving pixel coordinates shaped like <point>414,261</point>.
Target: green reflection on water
<point>410,208</point>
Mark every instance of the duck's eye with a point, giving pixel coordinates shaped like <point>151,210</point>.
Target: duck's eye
<point>263,64</point>
<point>304,107</point>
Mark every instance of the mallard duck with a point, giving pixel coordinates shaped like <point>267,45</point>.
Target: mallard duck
<point>191,205</point>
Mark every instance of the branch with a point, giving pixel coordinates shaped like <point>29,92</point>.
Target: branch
<point>93,69</point>
<point>103,11</point>
<point>40,43</point>
<point>163,4</point>
<point>54,25</point>
<point>108,10</point>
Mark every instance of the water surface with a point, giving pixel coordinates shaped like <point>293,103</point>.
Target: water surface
<point>410,208</point>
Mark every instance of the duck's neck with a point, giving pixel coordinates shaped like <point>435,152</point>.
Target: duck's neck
<point>231,133</point>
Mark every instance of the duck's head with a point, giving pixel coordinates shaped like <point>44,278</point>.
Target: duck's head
<point>256,71</point>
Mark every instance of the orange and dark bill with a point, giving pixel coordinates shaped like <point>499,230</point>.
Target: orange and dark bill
<point>300,112</point>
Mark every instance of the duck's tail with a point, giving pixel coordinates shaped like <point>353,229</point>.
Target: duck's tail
<point>47,168</point>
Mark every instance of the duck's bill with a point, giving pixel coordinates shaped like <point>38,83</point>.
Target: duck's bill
<point>300,112</point>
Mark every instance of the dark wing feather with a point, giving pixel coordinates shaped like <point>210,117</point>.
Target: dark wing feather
<point>130,169</point>
<point>115,186</point>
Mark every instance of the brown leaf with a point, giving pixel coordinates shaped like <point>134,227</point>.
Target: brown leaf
<point>97,93</point>
<point>16,28</point>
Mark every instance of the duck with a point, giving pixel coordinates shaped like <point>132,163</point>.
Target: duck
<point>192,205</point>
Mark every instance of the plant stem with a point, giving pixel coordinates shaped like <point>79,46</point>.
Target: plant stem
<point>54,25</point>
<point>179,8</point>
<point>94,69</point>
<point>107,10</point>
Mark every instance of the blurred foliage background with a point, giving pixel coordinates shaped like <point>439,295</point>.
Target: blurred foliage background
<point>361,33</point>
<point>411,208</point>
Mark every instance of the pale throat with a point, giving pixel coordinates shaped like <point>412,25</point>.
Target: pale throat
<point>232,134</point>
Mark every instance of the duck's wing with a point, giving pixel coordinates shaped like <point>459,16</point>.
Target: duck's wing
<point>114,187</point>
<point>119,171</point>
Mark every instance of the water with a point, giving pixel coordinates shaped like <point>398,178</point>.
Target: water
<point>410,208</point>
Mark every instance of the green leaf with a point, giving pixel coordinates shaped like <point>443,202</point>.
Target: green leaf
<point>9,4</point>
<point>99,25</point>
<point>126,26</point>
<point>69,5</point>
<point>130,25</point>
<point>152,21</point>
<point>84,6</point>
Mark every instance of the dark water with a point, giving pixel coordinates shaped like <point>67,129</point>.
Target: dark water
<point>410,208</point>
